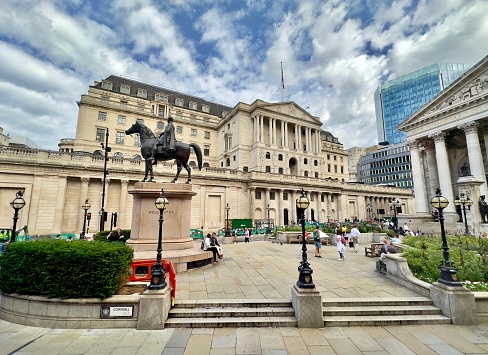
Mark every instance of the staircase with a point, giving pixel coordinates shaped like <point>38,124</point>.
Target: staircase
<point>381,311</point>
<point>231,313</point>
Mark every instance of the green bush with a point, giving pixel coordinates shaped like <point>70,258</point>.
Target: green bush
<point>56,268</point>
<point>102,236</point>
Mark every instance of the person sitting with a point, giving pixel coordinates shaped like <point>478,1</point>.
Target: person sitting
<point>115,236</point>
<point>215,243</point>
<point>388,249</point>
<point>207,246</point>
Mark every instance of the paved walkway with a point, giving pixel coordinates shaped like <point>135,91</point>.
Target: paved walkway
<point>262,270</point>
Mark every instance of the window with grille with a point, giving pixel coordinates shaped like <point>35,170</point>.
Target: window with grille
<point>268,168</point>
<point>192,105</point>
<point>137,140</point>
<point>280,157</point>
<point>272,195</point>
<point>206,150</point>
<point>257,195</point>
<point>179,102</point>
<point>285,196</point>
<point>280,170</point>
<point>122,119</point>
<point>206,108</point>
<point>125,89</point>
<point>193,132</point>
<point>179,130</point>
<point>160,125</point>
<point>160,97</point>
<point>207,135</point>
<point>107,85</point>
<point>100,135</point>
<point>102,116</point>
<point>142,93</point>
<point>119,138</point>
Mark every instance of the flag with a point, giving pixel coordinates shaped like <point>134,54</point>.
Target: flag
<point>282,78</point>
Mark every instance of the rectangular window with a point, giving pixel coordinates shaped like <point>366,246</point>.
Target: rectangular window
<point>206,108</point>
<point>192,105</point>
<point>207,135</point>
<point>206,150</point>
<point>100,135</point>
<point>179,130</point>
<point>328,156</point>
<point>142,93</point>
<point>121,120</point>
<point>245,169</point>
<point>102,116</point>
<point>125,89</point>
<point>160,97</point>
<point>107,85</point>
<point>285,196</point>
<point>280,170</point>
<point>328,168</point>
<point>322,198</point>
<point>137,140</point>
<point>193,132</point>
<point>119,139</point>
<point>179,102</point>
<point>268,168</point>
<point>161,110</point>
<point>140,120</point>
<point>335,169</point>
<point>272,195</point>
<point>257,195</point>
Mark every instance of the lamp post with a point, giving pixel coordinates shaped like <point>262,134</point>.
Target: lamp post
<point>369,209</point>
<point>305,276</point>
<point>227,231</point>
<point>104,182</point>
<point>448,272</point>
<point>157,270</point>
<point>394,204</point>
<point>464,201</point>
<point>86,206</point>
<point>268,230</point>
<point>17,204</point>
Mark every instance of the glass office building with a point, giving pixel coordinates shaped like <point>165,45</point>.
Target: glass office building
<point>397,99</point>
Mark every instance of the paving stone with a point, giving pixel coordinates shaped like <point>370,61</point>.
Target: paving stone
<point>295,345</point>
<point>344,347</point>
<point>444,349</point>
<point>248,341</point>
<point>179,338</point>
<point>313,337</point>
<point>198,344</point>
<point>363,340</point>
<point>223,351</point>
<point>224,338</point>
<point>271,339</point>
<point>394,346</point>
<point>414,344</point>
<point>320,350</point>
<point>458,342</point>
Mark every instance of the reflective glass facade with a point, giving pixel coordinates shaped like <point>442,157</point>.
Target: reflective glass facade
<point>397,99</point>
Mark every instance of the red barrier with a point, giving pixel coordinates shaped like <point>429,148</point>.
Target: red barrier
<point>143,269</point>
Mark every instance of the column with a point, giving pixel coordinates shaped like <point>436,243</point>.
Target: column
<point>318,213</point>
<point>418,178</point>
<point>274,132</point>
<point>123,202</point>
<point>286,135</point>
<point>432,165</point>
<point>283,134</point>
<point>261,128</point>
<point>85,181</point>
<point>317,139</point>
<point>443,169</point>
<point>474,153</point>
<point>59,206</point>
<point>306,139</point>
<point>252,202</point>
<point>279,209</point>
<point>255,127</point>
<point>329,207</point>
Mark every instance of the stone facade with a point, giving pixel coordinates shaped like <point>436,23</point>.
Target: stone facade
<point>256,157</point>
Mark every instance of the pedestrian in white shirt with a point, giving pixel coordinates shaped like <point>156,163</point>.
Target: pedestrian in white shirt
<point>355,237</point>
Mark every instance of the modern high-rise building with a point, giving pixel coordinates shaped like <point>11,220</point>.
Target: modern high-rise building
<point>397,99</point>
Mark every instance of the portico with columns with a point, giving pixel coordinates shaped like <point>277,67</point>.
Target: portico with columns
<point>446,136</point>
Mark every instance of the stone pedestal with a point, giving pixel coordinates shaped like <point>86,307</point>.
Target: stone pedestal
<point>154,307</point>
<point>457,303</point>
<point>145,216</point>
<point>307,304</point>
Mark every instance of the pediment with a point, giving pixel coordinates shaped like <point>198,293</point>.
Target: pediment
<point>290,109</point>
<point>470,87</point>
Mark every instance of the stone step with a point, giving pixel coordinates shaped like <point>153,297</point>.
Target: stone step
<point>231,322</point>
<point>380,302</point>
<point>348,321</point>
<point>218,312</point>
<point>248,303</point>
<point>385,310</point>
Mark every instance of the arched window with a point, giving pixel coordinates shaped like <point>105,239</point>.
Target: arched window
<point>192,163</point>
<point>280,157</point>
<point>206,165</point>
<point>118,155</point>
<point>160,125</point>
<point>268,155</point>
<point>227,162</point>
<point>98,153</point>
<point>305,161</point>
<point>136,157</point>
<point>315,163</point>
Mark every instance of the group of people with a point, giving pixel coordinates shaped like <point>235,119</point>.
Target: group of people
<point>340,241</point>
<point>247,235</point>
<point>211,243</point>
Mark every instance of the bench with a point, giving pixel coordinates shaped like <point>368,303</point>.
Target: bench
<point>380,266</point>
<point>367,250</point>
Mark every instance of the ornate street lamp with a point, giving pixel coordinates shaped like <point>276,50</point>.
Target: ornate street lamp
<point>305,276</point>
<point>268,229</point>
<point>464,201</point>
<point>448,272</point>
<point>86,206</point>
<point>394,204</point>
<point>158,281</point>
<point>369,209</point>
<point>227,230</point>
<point>17,204</point>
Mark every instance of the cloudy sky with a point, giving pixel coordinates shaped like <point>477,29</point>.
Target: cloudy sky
<point>334,53</point>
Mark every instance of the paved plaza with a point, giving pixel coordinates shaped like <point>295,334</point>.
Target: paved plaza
<point>262,270</point>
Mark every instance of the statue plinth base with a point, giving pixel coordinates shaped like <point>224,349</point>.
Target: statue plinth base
<point>145,217</point>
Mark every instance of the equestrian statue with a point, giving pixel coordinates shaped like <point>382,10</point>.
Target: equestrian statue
<point>164,148</point>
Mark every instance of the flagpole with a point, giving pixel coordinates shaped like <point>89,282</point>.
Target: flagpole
<point>282,82</point>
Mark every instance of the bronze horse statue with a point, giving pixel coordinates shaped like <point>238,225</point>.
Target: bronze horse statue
<point>181,154</point>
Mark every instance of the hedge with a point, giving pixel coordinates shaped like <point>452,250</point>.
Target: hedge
<point>60,269</point>
<point>102,236</point>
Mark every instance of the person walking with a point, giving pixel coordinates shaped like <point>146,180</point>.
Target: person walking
<point>317,242</point>
<point>340,247</point>
<point>246,235</point>
<point>355,237</point>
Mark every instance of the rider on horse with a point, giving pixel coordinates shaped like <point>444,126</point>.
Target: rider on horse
<point>166,139</point>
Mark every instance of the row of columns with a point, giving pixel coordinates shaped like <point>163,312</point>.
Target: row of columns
<point>439,169</point>
<point>312,136</point>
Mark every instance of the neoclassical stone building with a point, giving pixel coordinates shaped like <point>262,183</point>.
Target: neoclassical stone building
<point>257,157</point>
<point>446,134</point>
